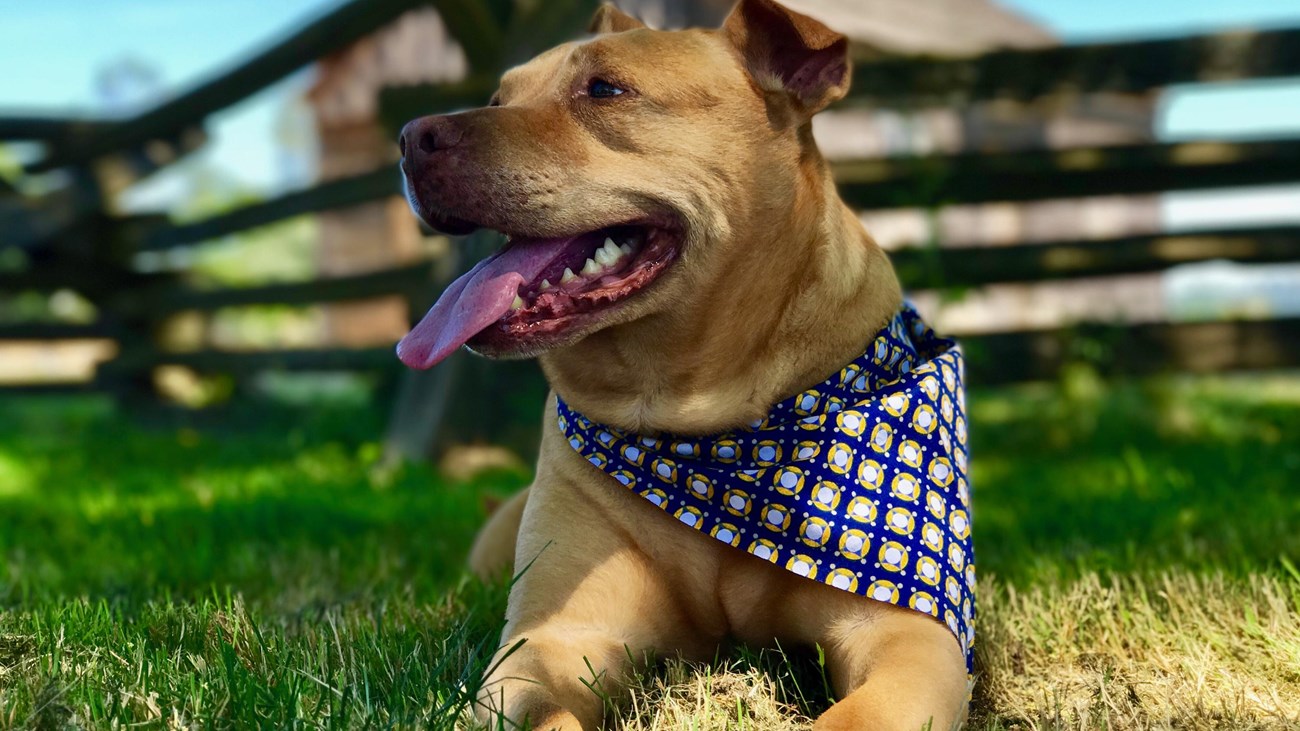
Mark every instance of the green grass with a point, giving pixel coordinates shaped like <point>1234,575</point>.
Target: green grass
<point>1136,547</point>
<point>240,578</point>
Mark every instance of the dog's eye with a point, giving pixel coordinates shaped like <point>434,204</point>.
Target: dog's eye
<point>601,89</point>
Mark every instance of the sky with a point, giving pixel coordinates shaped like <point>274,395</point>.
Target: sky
<point>62,44</point>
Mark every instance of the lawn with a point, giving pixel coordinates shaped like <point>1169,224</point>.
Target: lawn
<point>1136,547</point>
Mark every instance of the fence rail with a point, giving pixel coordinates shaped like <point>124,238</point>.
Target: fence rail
<point>1128,67</point>
<point>1074,173</point>
<point>340,193</point>
<point>57,388</point>
<point>918,268</point>
<point>234,361</point>
<point>409,280</point>
<point>886,182</point>
<point>477,26</point>
<point>47,129</point>
<point>331,31</point>
<point>56,331</point>
<point>1020,75</point>
<point>1210,347</point>
<point>994,358</point>
<point>926,268</point>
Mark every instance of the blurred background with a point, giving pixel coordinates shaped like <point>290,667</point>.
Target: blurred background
<point>197,200</point>
<point>223,502</point>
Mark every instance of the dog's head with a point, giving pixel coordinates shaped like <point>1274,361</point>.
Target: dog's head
<point>630,171</point>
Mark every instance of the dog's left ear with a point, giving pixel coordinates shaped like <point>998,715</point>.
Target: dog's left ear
<point>609,19</point>
<point>789,52</point>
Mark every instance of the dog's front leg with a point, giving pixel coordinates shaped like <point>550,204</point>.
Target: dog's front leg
<point>897,670</point>
<point>564,670</point>
<point>591,600</point>
<point>558,678</point>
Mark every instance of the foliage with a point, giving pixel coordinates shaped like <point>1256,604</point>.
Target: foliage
<point>9,167</point>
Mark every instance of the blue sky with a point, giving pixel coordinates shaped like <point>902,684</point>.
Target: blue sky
<point>189,38</point>
<point>62,43</point>
<point>1099,19</point>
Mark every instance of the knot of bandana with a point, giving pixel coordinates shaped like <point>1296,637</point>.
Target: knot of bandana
<point>859,482</point>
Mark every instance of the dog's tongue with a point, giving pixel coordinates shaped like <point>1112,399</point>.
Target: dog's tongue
<point>475,301</point>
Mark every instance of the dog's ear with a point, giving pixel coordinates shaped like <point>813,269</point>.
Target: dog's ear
<point>786,51</point>
<point>609,19</point>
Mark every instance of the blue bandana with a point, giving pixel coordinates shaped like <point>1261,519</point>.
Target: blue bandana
<point>859,483</point>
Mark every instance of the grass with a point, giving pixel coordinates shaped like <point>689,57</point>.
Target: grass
<point>1137,547</point>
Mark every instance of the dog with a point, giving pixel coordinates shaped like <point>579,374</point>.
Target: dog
<point>680,262</point>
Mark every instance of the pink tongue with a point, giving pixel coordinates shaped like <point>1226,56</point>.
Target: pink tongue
<point>476,300</point>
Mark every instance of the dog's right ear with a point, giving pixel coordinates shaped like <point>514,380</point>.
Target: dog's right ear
<point>791,53</point>
<point>609,19</point>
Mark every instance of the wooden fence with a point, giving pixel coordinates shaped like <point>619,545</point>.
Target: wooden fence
<point>70,240</point>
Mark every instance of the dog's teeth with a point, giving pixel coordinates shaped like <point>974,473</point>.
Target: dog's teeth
<point>518,304</point>
<point>609,254</point>
<point>546,284</point>
<point>590,268</point>
<point>569,276</point>
<point>626,249</point>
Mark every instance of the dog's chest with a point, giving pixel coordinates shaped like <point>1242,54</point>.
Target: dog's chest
<point>859,483</point>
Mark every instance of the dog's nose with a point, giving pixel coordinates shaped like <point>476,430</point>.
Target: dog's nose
<point>427,135</point>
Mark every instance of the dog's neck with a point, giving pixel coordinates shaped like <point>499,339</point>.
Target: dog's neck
<point>799,301</point>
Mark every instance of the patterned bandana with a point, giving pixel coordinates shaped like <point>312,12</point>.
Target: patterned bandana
<point>859,483</point>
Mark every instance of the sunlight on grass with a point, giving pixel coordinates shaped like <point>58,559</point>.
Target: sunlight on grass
<point>683,696</point>
<point>1173,650</point>
<point>15,476</point>
<point>1136,544</point>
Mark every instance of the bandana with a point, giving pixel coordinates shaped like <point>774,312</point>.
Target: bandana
<point>859,483</point>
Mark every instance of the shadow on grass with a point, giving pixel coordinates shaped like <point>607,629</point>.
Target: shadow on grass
<point>260,576</point>
<point>396,663</point>
<point>1138,478</point>
<point>285,513</point>
<point>1067,479</point>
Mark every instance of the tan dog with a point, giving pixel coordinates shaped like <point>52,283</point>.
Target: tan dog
<point>737,278</point>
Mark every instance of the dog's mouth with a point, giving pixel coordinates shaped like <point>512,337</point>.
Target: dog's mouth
<point>536,292</point>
